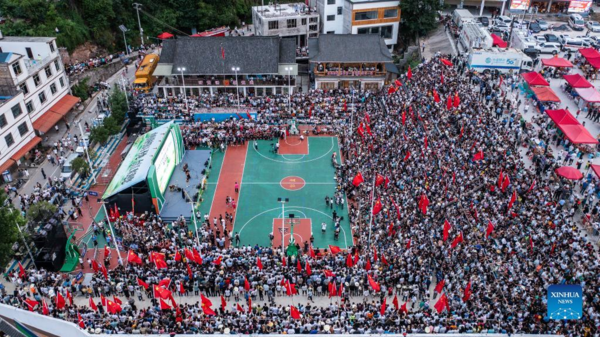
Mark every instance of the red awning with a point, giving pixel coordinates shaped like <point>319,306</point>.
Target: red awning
<point>64,105</point>
<point>589,94</point>
<point>571,127</point>
<point>545,94</point>
<point>165,36</point>
<point>497,41</point>
<point>577,81</point>
<point>596,169</point>
<point>594,62</point>
<point>534,78</point>
<point>10,163</point>
<point>589,53</point>
<point>557,62</point>
<point>46,121</point>
<point>26,148</point>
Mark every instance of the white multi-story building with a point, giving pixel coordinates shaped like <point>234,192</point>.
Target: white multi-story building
<point>287,20</point>
<point>332,14</point>
<point>33,94</point>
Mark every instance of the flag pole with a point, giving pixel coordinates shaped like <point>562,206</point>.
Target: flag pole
<point>372,205</point>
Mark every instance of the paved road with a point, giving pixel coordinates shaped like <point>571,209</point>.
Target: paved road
<point>438,41</point>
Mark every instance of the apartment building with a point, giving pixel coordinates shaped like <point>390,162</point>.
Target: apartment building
<point>332,14</point>
<point>33,95</point>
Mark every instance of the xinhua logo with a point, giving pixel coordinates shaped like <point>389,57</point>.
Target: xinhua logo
<point>565,301</point>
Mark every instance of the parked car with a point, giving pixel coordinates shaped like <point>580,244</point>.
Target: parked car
<point>551,38</point>
<point>574,44</point>
<point>534,27</point>
<point>539,38</point>
<point>497,31</point>
<point>561,28</point>
<point>532,52</point>
<point>549,48</point>
<point>484,20</point>
<point>563,37</point>
<point>504,19</point>
<point>576,22</point>
<point>543,24</point>
<point>593,26</point>
<point>502,27</point>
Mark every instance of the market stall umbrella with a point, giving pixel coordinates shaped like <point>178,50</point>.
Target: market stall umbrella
<point>577,81</point>
<point>596,169</point>
<point>589,53</point>
<point>545,94</point>
<point>589,94</point>
<point>594,62</point>
<point>497,41</point>
<point>534,78</point>
<point>571,127</point>
<point>165,35</point>
<point>557,62</point>
<point>569,172</point>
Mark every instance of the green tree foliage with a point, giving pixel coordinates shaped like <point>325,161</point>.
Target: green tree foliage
<point>9,218</point>
<point>419,17</point>
<point>79,21</point>
<point>113,123</point>
<point>81,89</point>
<point>41,211</point>
<point>81,166</point>
<point>99,134</point>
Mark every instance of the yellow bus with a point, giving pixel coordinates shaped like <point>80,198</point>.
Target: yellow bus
<point>144,80</point>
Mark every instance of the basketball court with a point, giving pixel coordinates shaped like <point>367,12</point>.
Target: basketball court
<point>302,172</point>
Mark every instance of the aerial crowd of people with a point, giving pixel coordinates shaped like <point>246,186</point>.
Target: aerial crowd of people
<point>469,225</point>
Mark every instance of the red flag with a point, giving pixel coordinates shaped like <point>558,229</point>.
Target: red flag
<point>383,260</point>
<point>407,155</point>
<point>218,261</point>
<point>160,264</point>
<point>478,156</point>
<point>408,244</point>
<point>358,179</point>
<point>512,199</point>
<point>249,305</point>
<point>45,309</point>
<point>425,143</point>
<point>409,73</point>
<point>283,261</point>
<point>500,177</point>
<point>532,186</point>
<point>490,229</point>
<point>456,100</point>
<point>447,228</point>
<point>205,300</point>
<point>259,263</point>
<point>189,270</point>
<point>328,273</point>
<point>505,183</point>
<point>112,307</point>
<point>361,130</point>
<point>391,90</point>
<point>207,310</point>
<point>181,288</point>
<point>340,289</point>
<point>134,258</point>
<point>467,293</point>
<point>308,270</point>
<point>379,179</point>
<point>440,286</point>
<point>117,300</point>
<point>141,282</point>
<point>249,115</point>
<point>531,242</point>
<point>383,307</point>
<point>375,254</point>
<point>373,284</point>
<point>294,312</point>
<point>332,290</point>
<point>80,321</point>
<point>298,266</point>
<point>457,240</point>
<point>239,308</point>
<point>197,257</point>
<point>31,304</point>
<point>70,298</point>
<point>95,266</point>
<point>164,305</point>
<point>449,103</point>
<point>356,257</point>
<point>368,265</point>
<point>423,203</point>
<point>223,303</point>
<point>442,78</point>
<point>404,308</point>
<point>93,304</point>
<point>377,207</point>
<point>441,303</point>
<point>161,292</point>
<point>446,62</point>
<point>22,272</point>
<point>102,300</point>
<point>177,256</point>
<point>334,249</point>
<point>398,83</point>
<point>397,208</point>
<point>246,284</point>
<point>403,117</point>
<point>436,96</point>
<point>311,252</point>
<point>188,254</point>
<point>164,283</point>
<point>104,272</point>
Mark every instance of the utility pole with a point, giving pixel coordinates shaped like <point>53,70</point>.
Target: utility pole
<point>137,8</point>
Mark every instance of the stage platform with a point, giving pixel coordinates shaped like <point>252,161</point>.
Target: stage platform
<point>175,205</point>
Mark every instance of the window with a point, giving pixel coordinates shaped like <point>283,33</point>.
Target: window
<point>23,129</point>
<point>17,69</point>
<point>29,107</point>
<point>53,88</point>
<point>331,2</point>
<point>2,121</point>
<point>62,82</point>
<point>370,15</point>
<point>9,140</point>
<point>36,79</point>
<point>313,27</point>
<point>42,97</point>
<point>48,72</point>
<point>390,13</point>
<point>313,20</point>
<point>273,25</point>
<point>331,32</point>
<point>304,22</point>
<point>29,53</point>
<point>291,23</point>
<point>374,30</point>
<point>16,110</point>
<point>56,65</point>
<point>363,31</point>
<point>330,17</point>
<point>387,31</point>
<point>52,49</point>
<point>24,88</point>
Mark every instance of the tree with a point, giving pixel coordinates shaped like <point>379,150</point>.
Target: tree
<point>99,134</point>
<point>81,89</point>
<point>9,219</point>
<point>422,17</point>
<point>81,166</point>
<point>118,105</point>
<point>41,211</point>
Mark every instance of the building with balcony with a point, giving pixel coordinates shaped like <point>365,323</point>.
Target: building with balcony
<point>252,65</point>
<point>293,20</point>
<point>34,95</point>
<point>350,61</point>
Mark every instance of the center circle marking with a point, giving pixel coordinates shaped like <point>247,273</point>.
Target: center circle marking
<point>292,183</point>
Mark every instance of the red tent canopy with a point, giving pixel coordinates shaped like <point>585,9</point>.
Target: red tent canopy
<point>534,78</point>
<point>545,94</point>
<point>577,81</point>
<point>571,127</point>
<point>497,41</point>
<point>589,53</point>
<point>165,35</point>
<point>589,94</point>
<point>557,62</point>
<point>594,62</point>
<point>569,172</point>
<point>596,169</point>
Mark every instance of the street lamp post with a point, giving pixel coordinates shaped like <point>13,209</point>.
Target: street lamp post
<point>237,89</point>
<point>112,231</point>
<point>87,153</point>
<point>194,219</point>
<point>289,70</point>
<point>123,81</point>
<point>24,241</point>
<point>137,8</point>
<point>181,70</point>
<point>124,30</point>
<point>283,201</point>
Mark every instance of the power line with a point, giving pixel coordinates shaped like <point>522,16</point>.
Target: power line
<point>161,22</point>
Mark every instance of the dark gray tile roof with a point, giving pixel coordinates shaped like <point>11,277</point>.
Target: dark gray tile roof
<point>252,54</point>
<point>350,48</point>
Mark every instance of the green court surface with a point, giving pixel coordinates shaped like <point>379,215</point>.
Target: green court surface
<point>208,195</point>
<point>261,186</point>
